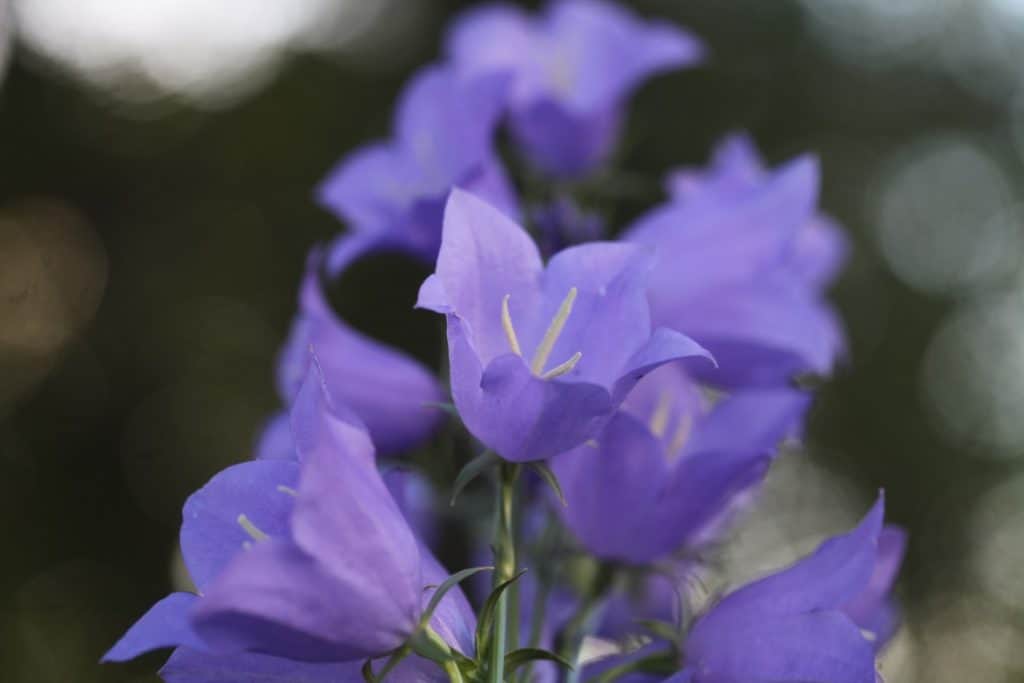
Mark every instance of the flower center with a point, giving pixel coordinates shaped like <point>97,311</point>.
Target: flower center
<point>547,343</point>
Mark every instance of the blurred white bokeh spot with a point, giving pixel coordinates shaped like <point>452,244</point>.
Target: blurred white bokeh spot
<point>998,533</point>
<point>946,216</point>
<point>972,376</point>
<point>212,51</point>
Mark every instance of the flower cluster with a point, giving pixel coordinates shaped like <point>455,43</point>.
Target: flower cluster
<point>625,398</point>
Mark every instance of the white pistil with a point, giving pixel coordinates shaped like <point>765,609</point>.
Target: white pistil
<point>659,419</point>
<point>547,344</point>
<point>506,323</point>
<point>565,367</point>
<point>251,528</point>
<point>289,490</point>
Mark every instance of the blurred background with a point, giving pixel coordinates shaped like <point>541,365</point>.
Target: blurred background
<point>157,161</point>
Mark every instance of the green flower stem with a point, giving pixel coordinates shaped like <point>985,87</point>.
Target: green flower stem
<point>452,669</point>
<point>505,633</point>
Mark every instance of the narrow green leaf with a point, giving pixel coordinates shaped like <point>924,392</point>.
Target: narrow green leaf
<point>449,583</point>
<point>485,620</point>
<point>514,660</point>
<point>542,468</point>
<point>472,470</point>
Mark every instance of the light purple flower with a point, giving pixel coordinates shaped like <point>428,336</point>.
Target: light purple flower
<point>390,392</point>
<point>670,467</point>
<point>307,560</point>
<point>574,67</point>
<point>541,357</point>
<point>392,193</point>
<point>794,625</point>
<point>744,258</point>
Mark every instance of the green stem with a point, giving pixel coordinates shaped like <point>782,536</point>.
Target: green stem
<point>452,669</point>
<point>505,568</point>
<point>399,654</point>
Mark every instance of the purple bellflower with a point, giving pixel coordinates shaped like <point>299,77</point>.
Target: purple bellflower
<point>573,68</point>
<point>305,568</point>
<point>392,193</point>
<point>389,391</point>
<point>541,357</point>
<point>744,260</point>
<point>804,623</point>
<point>670,467</point>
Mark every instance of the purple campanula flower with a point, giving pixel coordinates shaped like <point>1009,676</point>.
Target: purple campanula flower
<point>389,391</point>
<point>744,260</point>
<point>573,67</point>
<point>797,624</point>
<point>541,357</point>
<point>392,193</point>
<point>670,467</point>
<point>307,560</point>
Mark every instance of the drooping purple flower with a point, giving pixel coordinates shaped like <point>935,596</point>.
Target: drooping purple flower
<point>392,193</point>
<point>541,357</point>
<point>744,257</point>
<point>390,392</point>
<point>573,68</point>
<point>795,625</point>
<point>670,467</point>
<point>307,560</point>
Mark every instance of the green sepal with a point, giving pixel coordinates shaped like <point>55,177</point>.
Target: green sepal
<point>516,659</point>
<point>368,672</point>
<point>449,583</point>
<point>485,620</point>
<point>472,470</point>
<point>545,472</point>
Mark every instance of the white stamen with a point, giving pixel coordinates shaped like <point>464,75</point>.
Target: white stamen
<point>681,435</point>
<point>289,490</point>
<point>506,323</point>
<point>659,419</point>
<point>547,344</point>
<point>251,529</point>
<point>565,367</point>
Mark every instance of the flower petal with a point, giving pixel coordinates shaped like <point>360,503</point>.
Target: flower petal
<point>210,531</point>
<point>193,666</point>
<point>834,574</point>
<point>707,244</point>
<point>755,420</point>
<point>387,389</point>
<point>483,257</point>
<point>164,625</point>
<point>612,489</point>
<point>819,646</point>
<point>663,346</point>
<point>513,412</point>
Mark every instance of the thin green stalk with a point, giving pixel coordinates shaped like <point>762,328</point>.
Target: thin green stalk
<point>505,567</point>
<point>452,669</point>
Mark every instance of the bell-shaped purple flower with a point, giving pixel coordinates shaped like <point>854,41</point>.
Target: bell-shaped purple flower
<point>670,467</point>
<point>744,260</point>
<point>795,625</point>
<point>390,392</point>
<point>541,357</point>
<point>308,560</point>
<point>393,192</point>
<point>573,68</point>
